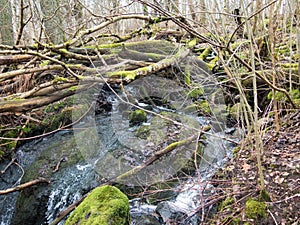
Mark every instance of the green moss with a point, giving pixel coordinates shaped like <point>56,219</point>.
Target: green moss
<point>236,150</point>
<point>235,110</point>
<point>74,88</point>
<point>103,206</point>
<point>280,97</point>
<point>196,93</point>
<point>204,107</point>
<point>137,117</point>
<point>192,43</point>
<point>255,209</point>
<point>204,54</point>
<point>143,131</point>
<point>264,196</point>
<point>227,202</point>
<point>34,46</point>
<point>289,65</point>
<point>187,75</point>
<point>45,63</point>
<point>104,46</point>
<point>212,63</point>
<point>158,19</point>
<point>130,75</point>
<point>60,79</point>
<point>236,221</point>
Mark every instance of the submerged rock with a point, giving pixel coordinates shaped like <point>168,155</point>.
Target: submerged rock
<point>104,205</point>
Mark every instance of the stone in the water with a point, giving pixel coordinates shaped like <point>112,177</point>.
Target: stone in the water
<point>105,205</point>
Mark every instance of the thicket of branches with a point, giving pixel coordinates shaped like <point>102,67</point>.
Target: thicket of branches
<point>47,49</point>
<point>51,49</point>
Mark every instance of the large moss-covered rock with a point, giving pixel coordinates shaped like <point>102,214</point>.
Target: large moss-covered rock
<point>105,205</point>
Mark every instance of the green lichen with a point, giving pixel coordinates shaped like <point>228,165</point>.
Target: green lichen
<point>137,117</point>
<point>255,209</point>
<point>105,205</point>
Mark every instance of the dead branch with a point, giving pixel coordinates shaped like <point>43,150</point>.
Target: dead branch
<point>25,185</point>
<point>28,104</point>
<point>109,21</point>
<point>11,59</point>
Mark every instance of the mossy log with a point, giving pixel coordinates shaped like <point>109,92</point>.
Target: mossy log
<point>155,67</point>
<point>124,61</point>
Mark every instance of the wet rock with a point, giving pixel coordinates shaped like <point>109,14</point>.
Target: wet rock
<point>58,159</point>
<point>146,220</point>
<point>170,212</point>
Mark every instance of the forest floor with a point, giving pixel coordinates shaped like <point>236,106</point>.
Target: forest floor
<point>237,182</point>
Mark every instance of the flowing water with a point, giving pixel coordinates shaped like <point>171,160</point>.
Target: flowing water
<point>104,146</point>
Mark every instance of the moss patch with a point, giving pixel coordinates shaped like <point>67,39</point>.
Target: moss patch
<point>103,206</point>
<point>227,202</point>
<point>137,117</point>
<point>196,93</point>
<point>255,209</point>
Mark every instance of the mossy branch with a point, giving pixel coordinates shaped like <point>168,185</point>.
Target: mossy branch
<point>157,155</point>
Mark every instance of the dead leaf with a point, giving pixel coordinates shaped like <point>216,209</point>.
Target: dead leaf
<point>278,180</point>
<point>246,167</point>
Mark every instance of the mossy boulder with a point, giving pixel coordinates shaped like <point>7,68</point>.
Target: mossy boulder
<point>137,117</point>
<point>103,206</point>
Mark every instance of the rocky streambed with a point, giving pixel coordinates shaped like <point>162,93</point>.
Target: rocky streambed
<point>153,140</point>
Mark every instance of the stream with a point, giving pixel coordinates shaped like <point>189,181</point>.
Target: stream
<point>103,146</point>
